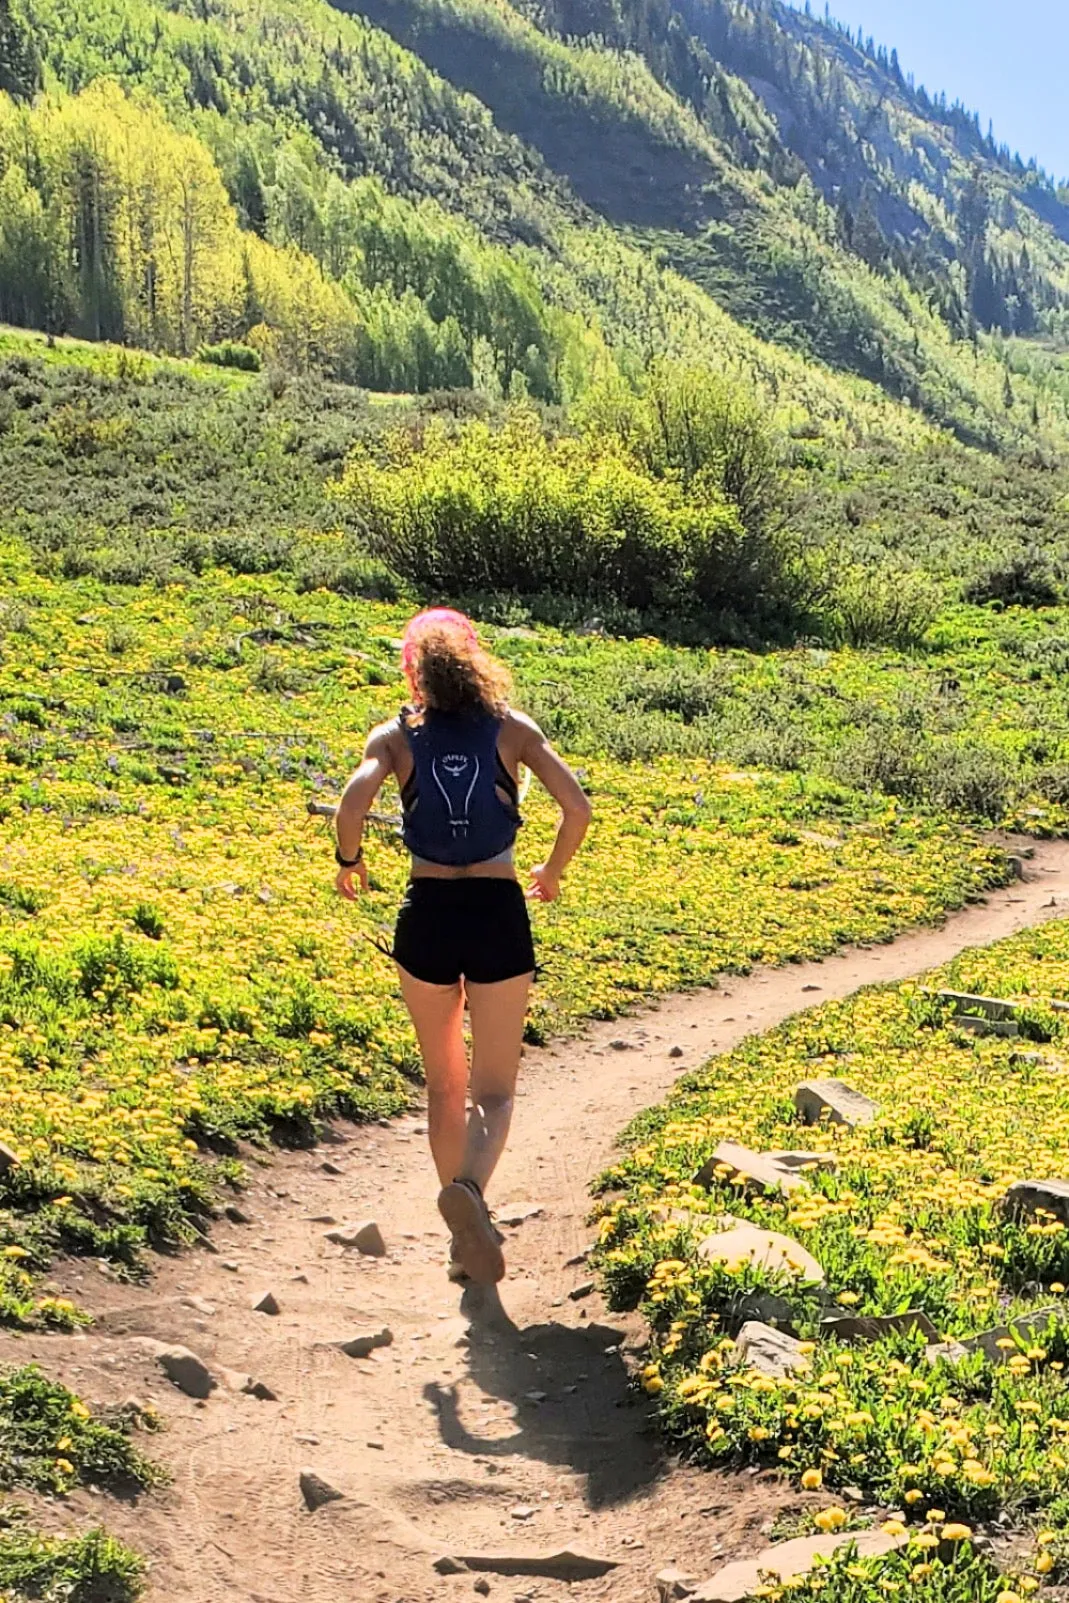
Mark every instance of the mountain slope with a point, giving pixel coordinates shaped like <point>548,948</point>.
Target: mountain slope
<point>499,204</point>
<point>710,182</point>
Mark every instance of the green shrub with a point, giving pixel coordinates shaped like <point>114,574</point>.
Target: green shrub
<point>886,606</point>
<point>1023,579</point>
<point>698,427</point>
<point>230,353</point>
<point>512,510</point>
<point>968,778</point>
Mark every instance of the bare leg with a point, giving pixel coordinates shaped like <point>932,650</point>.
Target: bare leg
<point>497,1016</point>
<point>438,1015</point>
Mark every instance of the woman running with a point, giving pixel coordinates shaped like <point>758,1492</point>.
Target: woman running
<point>463,933</point>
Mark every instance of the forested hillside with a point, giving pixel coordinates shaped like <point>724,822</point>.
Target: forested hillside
<point>520,201</point>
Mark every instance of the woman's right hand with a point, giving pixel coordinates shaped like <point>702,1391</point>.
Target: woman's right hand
<point>544,886</point>
<point>348,879</point>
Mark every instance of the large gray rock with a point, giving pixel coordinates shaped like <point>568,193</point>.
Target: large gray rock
<point>870,1327</point>
<point>835,1101</point>
<point>738,1581</point>
<point>757,1171</point>
<point>771,1351</point>
<point>748,1243</point>
<point>1028,1197</point>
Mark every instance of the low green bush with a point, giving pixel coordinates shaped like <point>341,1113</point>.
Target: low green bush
<point>513,510</point>
<point>231,353</point>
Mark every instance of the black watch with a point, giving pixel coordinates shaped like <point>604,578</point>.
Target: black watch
<point>348,862</point>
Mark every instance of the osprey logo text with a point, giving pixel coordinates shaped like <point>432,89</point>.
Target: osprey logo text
<point>449,775</point>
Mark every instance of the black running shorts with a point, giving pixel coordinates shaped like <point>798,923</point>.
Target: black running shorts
<point>475,929</point>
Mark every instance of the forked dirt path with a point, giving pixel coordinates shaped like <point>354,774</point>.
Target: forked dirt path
<point>481,1428</point>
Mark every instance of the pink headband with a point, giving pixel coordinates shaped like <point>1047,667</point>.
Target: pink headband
<point>433,618</point>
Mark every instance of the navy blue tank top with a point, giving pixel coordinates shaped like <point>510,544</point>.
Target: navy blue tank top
<point>451,808</point>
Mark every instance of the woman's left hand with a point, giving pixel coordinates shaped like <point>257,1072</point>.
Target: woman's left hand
<point>349,879</point>
<point>544,886</point>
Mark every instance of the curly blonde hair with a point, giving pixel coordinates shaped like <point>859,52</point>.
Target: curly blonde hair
<point>450,671</point>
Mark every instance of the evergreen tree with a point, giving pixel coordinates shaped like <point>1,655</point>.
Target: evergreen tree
<point>20,63</point>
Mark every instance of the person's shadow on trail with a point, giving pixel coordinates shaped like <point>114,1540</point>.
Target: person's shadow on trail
<point>586,1418</point>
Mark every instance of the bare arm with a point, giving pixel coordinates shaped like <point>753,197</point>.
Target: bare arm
<point>357,797</point>
<point>553,772</point>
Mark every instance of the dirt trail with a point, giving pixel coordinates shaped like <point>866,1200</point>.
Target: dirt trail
<point>507,1429</point>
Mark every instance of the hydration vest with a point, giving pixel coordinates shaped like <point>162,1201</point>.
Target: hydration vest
<point>452,811</point>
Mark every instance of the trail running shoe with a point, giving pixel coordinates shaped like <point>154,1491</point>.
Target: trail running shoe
<point>476,1246</point>
<point>455,1270</point>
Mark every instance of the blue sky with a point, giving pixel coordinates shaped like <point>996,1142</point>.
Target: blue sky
<point>1009,62</point>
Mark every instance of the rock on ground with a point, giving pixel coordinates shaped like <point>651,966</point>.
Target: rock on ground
<point>316,1491</point>
<point>365,1236</point>
<point>741,1579</point>
<point>267,1304</point>
<point>363,1345</point>
<point>756,1170</point>
<point>673,1586</point>
<point>804,1160</point>
<point>1027,1197</point>
<point>1026,1329</point>
<point>771,1351</point>
<point>746,1243</point>
<point>568,1564</point>
<point>833,1100</point>
<point>870,1327</point>
<point>185,1370</point>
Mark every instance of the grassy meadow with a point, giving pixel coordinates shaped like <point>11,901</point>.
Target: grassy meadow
<point>198,623</point>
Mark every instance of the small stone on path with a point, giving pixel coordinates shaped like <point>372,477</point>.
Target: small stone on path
<point>186,1371</point>
<point>673,1586</point>
<point>675,1051</point>
<point>579,1292</point>
<point>364,1235</point>
<point>201,1305</point>
<point>236,1215</point>
<point>524,1512</point>
<point>330,1168</point>
<point>267,1304</point>
<point>518,1213</point>
<point>316,1491</point>
<point>482,1586</point>
<point>364,1344</point>
<point>835,1101</point>
<point>568,1564</point>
